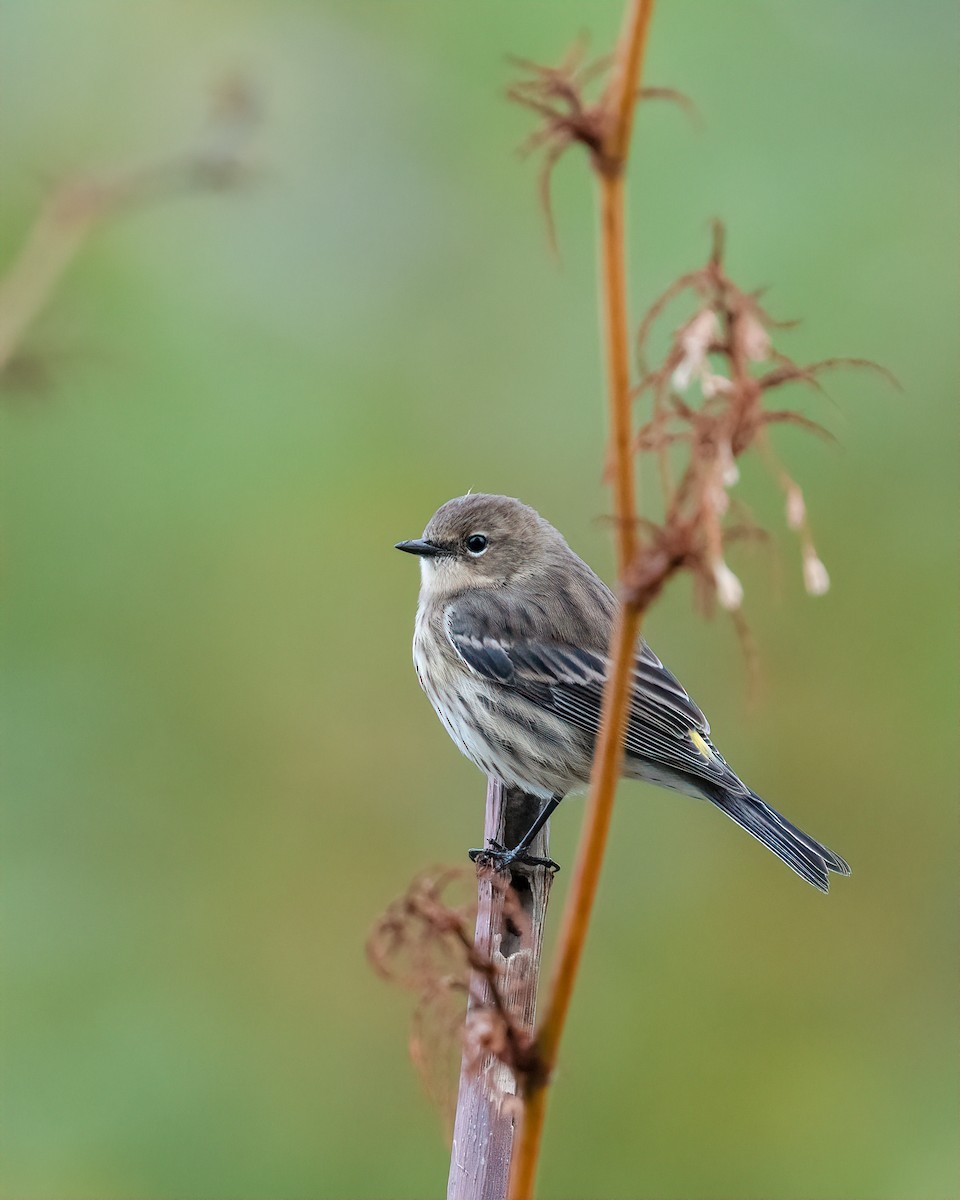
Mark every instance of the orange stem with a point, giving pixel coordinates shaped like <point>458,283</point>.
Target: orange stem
<point>618,365</point>
<point>625,78</point>
<point>610,163</point>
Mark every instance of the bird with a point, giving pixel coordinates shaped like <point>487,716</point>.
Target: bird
<point>510,645</point>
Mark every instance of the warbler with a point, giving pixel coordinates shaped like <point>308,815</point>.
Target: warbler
<point>510,645</point>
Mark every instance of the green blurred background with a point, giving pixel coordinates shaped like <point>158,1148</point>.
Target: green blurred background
<point>218,768</point>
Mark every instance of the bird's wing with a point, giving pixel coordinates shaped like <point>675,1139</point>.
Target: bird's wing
<point>664,725</point>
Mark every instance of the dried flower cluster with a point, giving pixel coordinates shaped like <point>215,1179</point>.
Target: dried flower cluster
<point>425,943</point>
<point>725,352</point>
<point>558,96</point>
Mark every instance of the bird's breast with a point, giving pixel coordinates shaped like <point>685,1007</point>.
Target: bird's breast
<point>434,658</point>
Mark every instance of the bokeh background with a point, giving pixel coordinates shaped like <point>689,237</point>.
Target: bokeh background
<point>218,768</point>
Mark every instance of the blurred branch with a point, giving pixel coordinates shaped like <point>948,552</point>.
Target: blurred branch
<point>77,207</point>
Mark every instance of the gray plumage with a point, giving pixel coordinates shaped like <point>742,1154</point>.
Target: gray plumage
<point>510,646</point>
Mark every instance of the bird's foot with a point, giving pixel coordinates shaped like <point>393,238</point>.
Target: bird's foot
<point>501,859</point>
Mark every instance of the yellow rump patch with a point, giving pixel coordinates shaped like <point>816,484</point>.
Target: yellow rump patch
<point>701,745</point>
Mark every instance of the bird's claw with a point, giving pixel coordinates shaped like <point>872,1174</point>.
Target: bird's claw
<point>501,859</point>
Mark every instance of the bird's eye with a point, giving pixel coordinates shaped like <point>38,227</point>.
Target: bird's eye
<point>476,543</point>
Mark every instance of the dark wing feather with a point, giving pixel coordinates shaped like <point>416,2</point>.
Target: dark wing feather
<point>654,677</point>
<point>568,682</point>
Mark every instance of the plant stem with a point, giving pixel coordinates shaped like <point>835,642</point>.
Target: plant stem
<point>484,1129</point>
<point>620,103</point>
<point>618,364</point>
<point>625,78</point>
<point>610,166</point>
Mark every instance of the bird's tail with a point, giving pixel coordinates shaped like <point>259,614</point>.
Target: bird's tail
<point>799,851</point>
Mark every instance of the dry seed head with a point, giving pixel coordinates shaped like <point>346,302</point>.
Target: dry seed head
<point>730,472</point>
<point>714,385</point>
<point>815,577</point>
<point>695,340</point>
<point>718,499</point>
<point>729,587</point>
<point>717,346</point>
<point>796,508</point>
<point>754,338</point>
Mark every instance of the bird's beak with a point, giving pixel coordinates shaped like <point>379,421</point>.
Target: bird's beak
<point>423,548</point>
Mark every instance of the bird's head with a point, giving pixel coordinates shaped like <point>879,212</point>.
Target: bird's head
<point>483,541</point>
